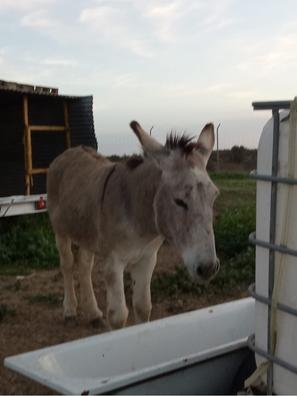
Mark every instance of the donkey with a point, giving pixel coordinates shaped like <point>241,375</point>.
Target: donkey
<point>123,212</point>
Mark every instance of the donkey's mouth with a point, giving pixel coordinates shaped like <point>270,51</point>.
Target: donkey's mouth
<point>202,278</point>
<point>206,280</point>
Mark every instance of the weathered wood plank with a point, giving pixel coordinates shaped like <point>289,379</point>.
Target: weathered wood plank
<point>47,128</point>
<point>27,145</point>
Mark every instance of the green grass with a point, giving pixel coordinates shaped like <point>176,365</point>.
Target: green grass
<point>173,283</point>
<point>27,242</point>
<point>228,175</point>
<point>236,208</point>
<point>237,190</point>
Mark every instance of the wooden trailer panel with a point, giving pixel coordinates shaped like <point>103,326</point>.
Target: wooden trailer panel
<point>37,124</point>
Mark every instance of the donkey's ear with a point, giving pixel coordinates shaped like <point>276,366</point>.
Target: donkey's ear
<point>206,142</point>
<point>148,143</point>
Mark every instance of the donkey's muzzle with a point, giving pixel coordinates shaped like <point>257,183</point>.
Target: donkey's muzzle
<point>208,270</point>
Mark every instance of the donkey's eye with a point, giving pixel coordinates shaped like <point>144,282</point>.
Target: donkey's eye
<point>180,202</point>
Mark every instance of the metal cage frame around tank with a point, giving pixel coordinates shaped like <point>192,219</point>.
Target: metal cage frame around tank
<point>274,179</point>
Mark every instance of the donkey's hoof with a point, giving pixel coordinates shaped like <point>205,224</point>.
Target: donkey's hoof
<point>98,323</point>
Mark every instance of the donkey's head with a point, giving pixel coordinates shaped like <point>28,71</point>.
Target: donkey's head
<point>183,204</point>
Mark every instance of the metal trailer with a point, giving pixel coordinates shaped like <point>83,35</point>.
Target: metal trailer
<point>36,125</point>
<point>274,179</point>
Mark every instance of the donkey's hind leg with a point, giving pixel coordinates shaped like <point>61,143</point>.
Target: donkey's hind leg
<point>88,301</point>
<point>66,262</point>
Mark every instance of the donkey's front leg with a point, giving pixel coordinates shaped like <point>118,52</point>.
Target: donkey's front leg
<point>117,311</point>
<point>141,274</point>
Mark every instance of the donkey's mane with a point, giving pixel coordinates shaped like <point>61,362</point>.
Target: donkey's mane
<point>134,161</point>
<point>183,143</point>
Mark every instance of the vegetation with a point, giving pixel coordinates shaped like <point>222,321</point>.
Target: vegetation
<point>27,242</point>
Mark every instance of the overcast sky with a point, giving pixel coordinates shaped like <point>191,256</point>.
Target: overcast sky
<point>171,64</point>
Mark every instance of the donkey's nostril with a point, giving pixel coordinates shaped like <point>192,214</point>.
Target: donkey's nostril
<point>203,271</point>
<point>199,270</point>
<point>207,270</point>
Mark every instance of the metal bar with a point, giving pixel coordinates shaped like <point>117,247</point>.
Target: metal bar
<point>27,88</point>
<point>274,179</point>
<point>272,105</point>
<point>265,300</point>
<point>270,357</point>
<point>277,179</point>
<point>7,209</point>
<point>218,151</point>
<point>272,232</point>
<point>272,246</point>
<point>47,128</point>
<point>20,199</point>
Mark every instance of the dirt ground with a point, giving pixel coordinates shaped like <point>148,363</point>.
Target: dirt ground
<point>31,315</point>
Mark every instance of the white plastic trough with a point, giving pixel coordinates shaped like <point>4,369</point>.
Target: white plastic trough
<point>197,352</point>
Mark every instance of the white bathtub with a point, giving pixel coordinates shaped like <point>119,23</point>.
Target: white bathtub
<point>196,352</point>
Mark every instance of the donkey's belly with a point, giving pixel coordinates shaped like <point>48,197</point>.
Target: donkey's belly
<point>81,229</point>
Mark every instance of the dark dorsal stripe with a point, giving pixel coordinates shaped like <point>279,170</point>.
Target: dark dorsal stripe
<point>106,182</point>
<point>183,143</point>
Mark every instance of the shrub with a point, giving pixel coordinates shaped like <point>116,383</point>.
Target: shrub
<point>171,284</point>
<point>238,153</point>
<point>232,230</point>
<point>237,271</point>
<point>27,241</point>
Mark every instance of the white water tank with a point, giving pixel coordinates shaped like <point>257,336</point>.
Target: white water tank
<point>285,274</point>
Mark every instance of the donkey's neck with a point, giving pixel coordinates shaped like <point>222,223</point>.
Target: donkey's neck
<point>143,183</point>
